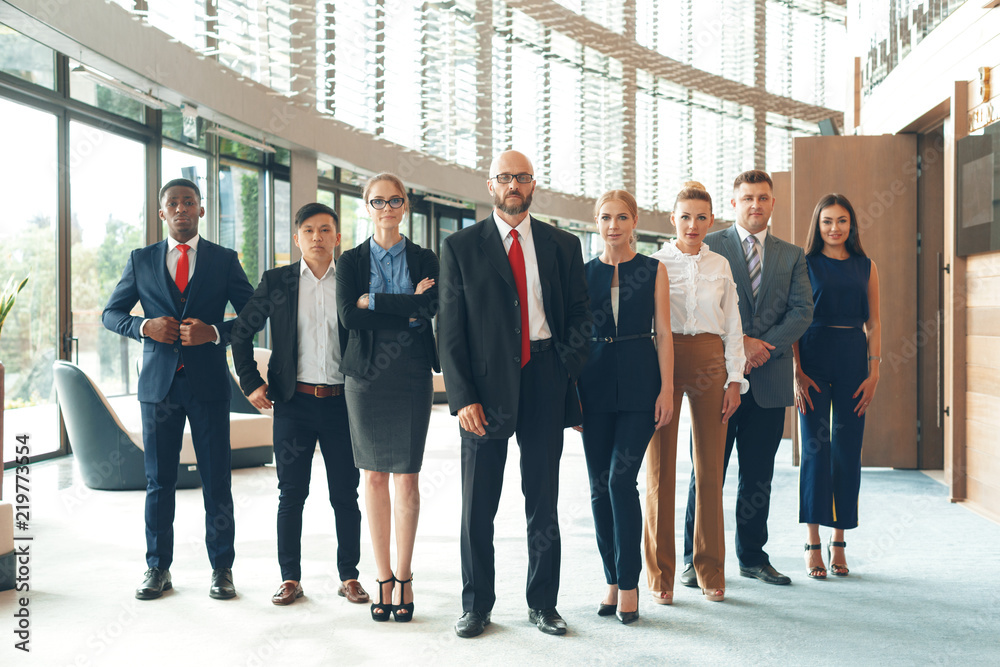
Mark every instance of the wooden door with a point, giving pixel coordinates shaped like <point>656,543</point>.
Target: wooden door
<point>879,176</point>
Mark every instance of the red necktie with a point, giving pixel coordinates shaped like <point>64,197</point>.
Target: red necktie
<point>181,277</point>
<point>516,258</point>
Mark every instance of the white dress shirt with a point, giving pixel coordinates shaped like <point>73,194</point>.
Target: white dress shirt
<point>703,299</point>
<point>319,335</point>
<point>538,327</point>
<point>173,257</point>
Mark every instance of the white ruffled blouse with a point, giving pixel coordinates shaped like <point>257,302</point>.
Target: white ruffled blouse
<point>703,299</point>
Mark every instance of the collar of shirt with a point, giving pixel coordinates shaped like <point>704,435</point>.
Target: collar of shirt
<point>744,234</point>
<point>192,243</point>
<point>523,228</point>
<point>304,270</point>
<point>381,252</point>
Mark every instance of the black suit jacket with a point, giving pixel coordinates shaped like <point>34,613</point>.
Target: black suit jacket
<point>392,311</point>
<point>277,298</point>
<point>480,320</point>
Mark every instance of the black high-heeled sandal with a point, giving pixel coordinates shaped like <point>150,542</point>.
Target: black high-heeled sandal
<point>381,609</point>
<point>838,569</point>
<point>404,607</point>
<point>816,571</point>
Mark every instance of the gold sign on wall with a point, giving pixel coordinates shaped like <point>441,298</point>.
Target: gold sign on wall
<point>987,111</point>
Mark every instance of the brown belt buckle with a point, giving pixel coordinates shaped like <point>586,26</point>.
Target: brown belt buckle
<point>316,390</point>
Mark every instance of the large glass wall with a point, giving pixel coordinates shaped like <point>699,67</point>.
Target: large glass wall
<point>28,229</point>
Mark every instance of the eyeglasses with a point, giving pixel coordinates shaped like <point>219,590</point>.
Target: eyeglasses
<point>507,178</point>
<point>379,204</point>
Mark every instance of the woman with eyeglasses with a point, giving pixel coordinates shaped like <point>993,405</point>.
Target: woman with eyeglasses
<point>387,299</point>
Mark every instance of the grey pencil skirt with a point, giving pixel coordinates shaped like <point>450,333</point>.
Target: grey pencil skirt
<point>390,408</point>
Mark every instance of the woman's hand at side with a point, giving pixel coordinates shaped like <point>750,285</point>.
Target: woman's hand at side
<point>803,383</point>
<point>663,411</point>
<point>730,401</point>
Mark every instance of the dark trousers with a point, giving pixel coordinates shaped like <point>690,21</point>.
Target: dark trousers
<point>298,424</point>
<point>614,444</point>
<point>539,433</point>
<point>756,433</point>
<point>162,434</point>
<point>832,433</point>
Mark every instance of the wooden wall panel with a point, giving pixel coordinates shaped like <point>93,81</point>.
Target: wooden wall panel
<point>982,374</point>
<point>878,175</point>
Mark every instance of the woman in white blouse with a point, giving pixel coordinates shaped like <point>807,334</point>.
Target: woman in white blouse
<point>708,366</point>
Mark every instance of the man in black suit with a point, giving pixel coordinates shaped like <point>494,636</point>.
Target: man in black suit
<point>183,284</point>
<point>512,324</point>
<point>307,389</point>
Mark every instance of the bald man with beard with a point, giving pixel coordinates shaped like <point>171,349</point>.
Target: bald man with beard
<point>512,331</point>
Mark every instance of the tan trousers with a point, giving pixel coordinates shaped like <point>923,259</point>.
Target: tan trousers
<point>700,372</point>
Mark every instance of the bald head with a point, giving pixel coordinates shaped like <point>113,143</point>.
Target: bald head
<point>511,162</point>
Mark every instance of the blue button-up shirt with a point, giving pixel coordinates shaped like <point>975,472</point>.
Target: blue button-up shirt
<point>390,273</point>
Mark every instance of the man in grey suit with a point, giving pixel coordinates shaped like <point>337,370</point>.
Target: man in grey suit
<point>776,308</point>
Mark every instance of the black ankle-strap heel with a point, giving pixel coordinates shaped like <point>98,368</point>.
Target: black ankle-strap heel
<point>382,609</point>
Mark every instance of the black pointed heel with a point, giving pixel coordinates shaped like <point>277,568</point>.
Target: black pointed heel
<point>381,609</point>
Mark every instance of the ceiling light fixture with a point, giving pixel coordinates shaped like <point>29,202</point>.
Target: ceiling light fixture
<point>239,138</point>
<point>124,89</point>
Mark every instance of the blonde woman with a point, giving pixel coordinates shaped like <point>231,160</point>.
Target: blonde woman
<point>709,361</point>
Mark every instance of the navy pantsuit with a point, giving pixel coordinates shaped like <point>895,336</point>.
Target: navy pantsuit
<point>618,390</point>
<point>200,392</point>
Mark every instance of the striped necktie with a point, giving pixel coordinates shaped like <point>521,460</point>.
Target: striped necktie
<point>753,263</point>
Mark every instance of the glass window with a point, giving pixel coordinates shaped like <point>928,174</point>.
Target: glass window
<point>85,85</point>
<point>241,215</point>
<point>282,222</point>
<point>418,228</point>
<point>26,59</point>
<point>105,229</point>
<point>355,225</point>
<point>184,129</point>
<point>325,170</point>
<point>28,344</point>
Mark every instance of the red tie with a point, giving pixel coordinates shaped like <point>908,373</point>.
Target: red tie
<point>181,277</point>
<point>516,258</point>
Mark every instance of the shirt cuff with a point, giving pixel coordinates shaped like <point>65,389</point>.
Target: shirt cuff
<point>744,383</point>
<point>142,325</point>
<point>371,300</point>
<point>218,338</point>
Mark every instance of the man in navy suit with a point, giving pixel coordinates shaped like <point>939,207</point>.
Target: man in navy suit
<point>511,333</point>
<point>183,285</point>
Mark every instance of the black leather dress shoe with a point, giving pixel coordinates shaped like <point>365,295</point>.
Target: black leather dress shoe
<point>472,623</point>
<point>155,581</point>
<point>548,621</point>
<point>765,573</point>
<point>688,576</point>
<point>222,584</point>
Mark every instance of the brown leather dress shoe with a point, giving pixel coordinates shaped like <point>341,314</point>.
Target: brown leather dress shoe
<point>288,592</point>
<point>353,591</point>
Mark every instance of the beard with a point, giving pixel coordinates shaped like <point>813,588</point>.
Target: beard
<point>511,209</point>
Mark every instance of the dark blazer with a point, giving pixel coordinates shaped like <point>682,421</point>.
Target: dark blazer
<point>781,313</point>
<point>622,376</point>
<point>479,327</point>
<point>392,311</point>
<point>218,279</point>
<point>277,298</point>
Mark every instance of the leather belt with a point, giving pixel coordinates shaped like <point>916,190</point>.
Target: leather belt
<point>618,339</point>
<point>319,390</point>
<point>541,345</point>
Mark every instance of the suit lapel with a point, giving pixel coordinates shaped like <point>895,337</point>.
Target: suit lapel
<point>738,263</point>
<point>492,246</point>
<point>159,268</point>
<point>206,255</point>
<point>772,250</point>
<point>545,255</point>
<point>292,319</point>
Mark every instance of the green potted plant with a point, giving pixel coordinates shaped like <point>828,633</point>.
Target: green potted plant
<point>7,298</point>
